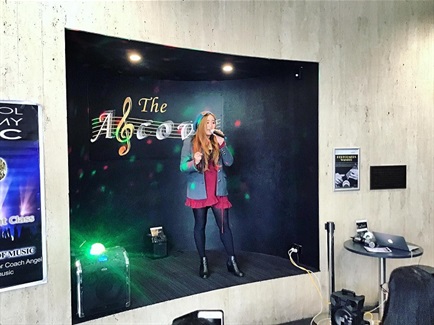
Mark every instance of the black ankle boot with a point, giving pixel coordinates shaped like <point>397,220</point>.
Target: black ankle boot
<point>233,267</point>
<point>203,269</point>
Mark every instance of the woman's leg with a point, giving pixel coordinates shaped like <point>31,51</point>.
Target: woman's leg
<point>222,219</point>
<point>200,216</point>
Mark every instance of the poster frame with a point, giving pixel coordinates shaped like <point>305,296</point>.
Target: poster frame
<point>352,153</point>
<point>41,202</point>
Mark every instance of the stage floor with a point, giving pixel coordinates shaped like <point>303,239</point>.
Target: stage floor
<point>177,275</point>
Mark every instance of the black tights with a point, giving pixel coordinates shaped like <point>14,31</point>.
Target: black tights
<point>221,217</point>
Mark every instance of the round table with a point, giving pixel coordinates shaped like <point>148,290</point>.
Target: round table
<point>359,249</point>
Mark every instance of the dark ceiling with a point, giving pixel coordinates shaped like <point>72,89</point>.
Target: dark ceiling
<point>166,62</point>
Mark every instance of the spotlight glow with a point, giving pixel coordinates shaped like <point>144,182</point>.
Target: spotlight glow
<point>134,57</point>
<point>227,68</point>
<point>26,194</point>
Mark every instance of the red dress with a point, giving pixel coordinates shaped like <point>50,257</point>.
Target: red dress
<point>212,200</point>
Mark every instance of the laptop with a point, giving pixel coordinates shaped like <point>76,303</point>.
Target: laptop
<point>393,241</point>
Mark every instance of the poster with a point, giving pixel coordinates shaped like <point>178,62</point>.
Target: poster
<point>22,222</point>
<point>346,169</point>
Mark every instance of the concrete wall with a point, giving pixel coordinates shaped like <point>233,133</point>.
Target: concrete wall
<point>376,93</point>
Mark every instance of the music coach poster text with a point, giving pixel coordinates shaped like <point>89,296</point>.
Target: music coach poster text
<point>22,221</point>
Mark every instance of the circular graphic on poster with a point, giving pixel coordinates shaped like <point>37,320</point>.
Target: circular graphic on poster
<point>3,169</point>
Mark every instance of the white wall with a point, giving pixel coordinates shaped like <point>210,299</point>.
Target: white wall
<point>376,93</point>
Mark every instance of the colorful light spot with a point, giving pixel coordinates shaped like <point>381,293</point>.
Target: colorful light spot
<point>97,249</point>
<point>237,123</point>
<point>177,149</point>
<point>247,196</point>
<point>189,112</point>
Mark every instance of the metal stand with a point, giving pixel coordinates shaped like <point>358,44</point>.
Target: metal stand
<point>382,282</point>
<point>330,227</point>
<point>325,318</point>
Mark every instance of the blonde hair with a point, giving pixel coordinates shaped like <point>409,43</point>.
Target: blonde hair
<point>207,145</point>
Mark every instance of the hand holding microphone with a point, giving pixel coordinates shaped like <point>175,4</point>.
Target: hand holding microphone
<point>218,133</point>
<point>220,136</point>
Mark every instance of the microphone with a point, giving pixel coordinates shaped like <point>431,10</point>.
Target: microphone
<point>218,133</point>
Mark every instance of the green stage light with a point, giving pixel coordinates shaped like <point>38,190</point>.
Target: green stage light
<point>97,249</point>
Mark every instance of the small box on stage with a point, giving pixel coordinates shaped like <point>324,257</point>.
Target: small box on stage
<point>103,282</point>
<point>159,242</point>
<point>159,249</point>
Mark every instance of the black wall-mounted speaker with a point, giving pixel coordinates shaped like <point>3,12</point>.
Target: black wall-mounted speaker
<point>103,282</point>
<point>388,177</point>
<point>346,308</point>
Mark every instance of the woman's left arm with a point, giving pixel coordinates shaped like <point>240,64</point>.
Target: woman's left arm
<point>226,155</point>
<point>187,160</point>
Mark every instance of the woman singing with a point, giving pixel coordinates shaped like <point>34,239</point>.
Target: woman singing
<point>202,159</point>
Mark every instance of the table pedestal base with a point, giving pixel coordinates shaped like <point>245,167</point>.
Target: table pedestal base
<point>382,282</point>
